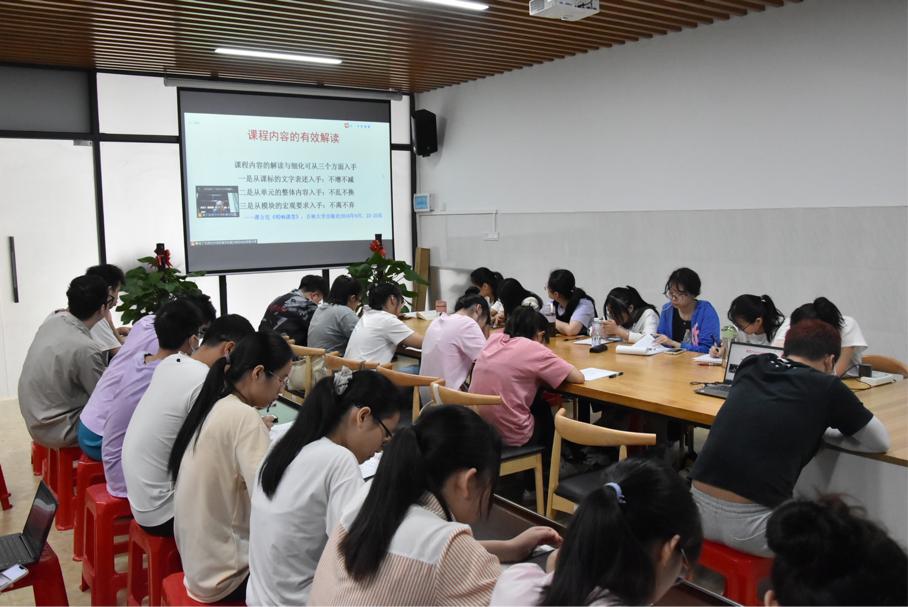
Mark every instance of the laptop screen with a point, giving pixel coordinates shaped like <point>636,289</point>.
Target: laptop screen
<point>738,351</point>
<point>40,518</point>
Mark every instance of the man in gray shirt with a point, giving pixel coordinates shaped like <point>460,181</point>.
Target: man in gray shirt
<point>63,365</point>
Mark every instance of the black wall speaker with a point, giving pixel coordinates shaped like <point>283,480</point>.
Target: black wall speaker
<point>424,133</point>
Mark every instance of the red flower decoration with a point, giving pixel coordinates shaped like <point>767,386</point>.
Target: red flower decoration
<point>376,247</point>
<point>162,259</point>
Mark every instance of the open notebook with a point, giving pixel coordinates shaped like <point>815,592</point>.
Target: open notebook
<point>645,346</point>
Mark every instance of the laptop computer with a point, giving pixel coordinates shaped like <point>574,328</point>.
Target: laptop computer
<point>25,548</point>
<point>737,352</point>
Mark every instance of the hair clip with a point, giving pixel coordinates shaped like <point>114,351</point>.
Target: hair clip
<point>342,379</point>
<point>618,493</point>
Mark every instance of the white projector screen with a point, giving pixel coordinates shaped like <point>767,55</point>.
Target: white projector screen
<point>283,181</point>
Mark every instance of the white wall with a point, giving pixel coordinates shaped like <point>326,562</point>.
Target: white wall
<point>767,152</point>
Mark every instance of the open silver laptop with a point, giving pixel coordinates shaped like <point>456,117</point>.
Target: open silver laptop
<point>737,352</point>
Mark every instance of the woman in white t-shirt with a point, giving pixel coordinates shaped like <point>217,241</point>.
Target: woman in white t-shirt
<point>574,309</point>
<point>379,331</point>
<point>628,316</point>
<point>213,463</point>
<point>309,477</point>
<point>756,318</point>
<point>487,282</point>
<point>629,541</point>
<point>853,342</point>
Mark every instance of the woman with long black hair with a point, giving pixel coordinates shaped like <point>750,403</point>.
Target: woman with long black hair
<point>409,541</point>
<point>309,477</point>
<point>213,463</point>
<point>629,541</point>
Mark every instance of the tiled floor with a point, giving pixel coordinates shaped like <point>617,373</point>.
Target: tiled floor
<point>15,458</point>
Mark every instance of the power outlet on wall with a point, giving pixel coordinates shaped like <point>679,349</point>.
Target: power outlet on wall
<point>491,236</point>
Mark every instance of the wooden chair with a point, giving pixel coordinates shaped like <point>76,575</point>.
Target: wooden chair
<point>307,357</point>
<point>565,496</point>
<point>334,362</point>
<point>513,459</point>
<point>408,380</point>
<point>886,364</point>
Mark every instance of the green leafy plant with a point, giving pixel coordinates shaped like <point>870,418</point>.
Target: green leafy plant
<point>378,268</point>
<point>151,284</point>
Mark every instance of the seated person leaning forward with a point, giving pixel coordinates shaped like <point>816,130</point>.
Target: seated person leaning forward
<point>778,413</point>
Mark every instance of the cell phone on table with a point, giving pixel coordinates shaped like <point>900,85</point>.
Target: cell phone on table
<point>675,351</point>
<point>12,575</point>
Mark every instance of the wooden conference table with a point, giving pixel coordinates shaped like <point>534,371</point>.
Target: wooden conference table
<point>661,384</point>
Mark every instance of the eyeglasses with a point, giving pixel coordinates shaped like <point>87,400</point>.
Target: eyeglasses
<point>388,434</point>
<point>673,294</point>
<point>283,380</point>
<point>744,328</point>
<point>684,574</point>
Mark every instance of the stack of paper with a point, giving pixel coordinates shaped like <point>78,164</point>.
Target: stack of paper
<point>592,373</point>
<point>706,359</point>
<point>646,346</point>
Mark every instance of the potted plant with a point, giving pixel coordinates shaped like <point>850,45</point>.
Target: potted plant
<point>378,268</point>
<point>151,284</point>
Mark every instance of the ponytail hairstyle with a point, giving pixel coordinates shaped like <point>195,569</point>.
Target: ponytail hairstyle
<point>322,411</point>
<point>470,300</point>
<point>562,282</point>
<point>484,276</point>
<point>618,304</point>
<point>609,544</point>
<point>524,321</point>
<point>265,348</point>
<point>752,307</point>
<point>418,461</point>
<point>827,553</point>
<point>512,294</point>
<point>821,309</point>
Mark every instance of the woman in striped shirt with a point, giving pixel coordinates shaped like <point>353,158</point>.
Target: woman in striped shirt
<point>408,541</point>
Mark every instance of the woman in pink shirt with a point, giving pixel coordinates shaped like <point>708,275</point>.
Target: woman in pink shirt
<point>516,364</point>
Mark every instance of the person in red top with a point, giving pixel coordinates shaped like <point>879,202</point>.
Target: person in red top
<point>515,365</point>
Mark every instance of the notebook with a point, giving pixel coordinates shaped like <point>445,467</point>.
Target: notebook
<point>737,352</point>
<point>645,346</point>
<point>25,548</point>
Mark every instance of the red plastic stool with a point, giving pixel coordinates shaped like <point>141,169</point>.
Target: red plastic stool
<point>39,457</point>
<point>88,472</point>
<point>62,482</point>
<point>4,493</point>
<point>743,572</point>
<point>106,518</point>
<point>46,580</point>
<point>175,593</point>
<point>163,559</point>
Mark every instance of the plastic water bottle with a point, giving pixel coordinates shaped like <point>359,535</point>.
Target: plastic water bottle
<point>596,332</point>
<point>728,335</point>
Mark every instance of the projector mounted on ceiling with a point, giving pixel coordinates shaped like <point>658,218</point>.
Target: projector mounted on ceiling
<point>565,10</point>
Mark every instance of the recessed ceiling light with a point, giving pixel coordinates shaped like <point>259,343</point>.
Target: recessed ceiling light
<point>280,56</point>
<point>464,4</point>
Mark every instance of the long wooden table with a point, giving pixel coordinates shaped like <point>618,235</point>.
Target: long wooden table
<point>662,384</point>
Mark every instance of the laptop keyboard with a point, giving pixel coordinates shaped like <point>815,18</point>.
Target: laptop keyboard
<point>12,551</point>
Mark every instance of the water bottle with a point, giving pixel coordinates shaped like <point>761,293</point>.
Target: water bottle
<point>728,335</point>
<point>596,332</point>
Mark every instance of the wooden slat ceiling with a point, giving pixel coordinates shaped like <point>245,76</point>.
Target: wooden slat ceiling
<point>384,44</point>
